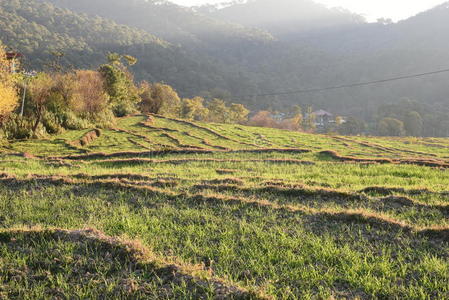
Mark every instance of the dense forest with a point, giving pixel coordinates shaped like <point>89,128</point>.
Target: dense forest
<point>231,54</point>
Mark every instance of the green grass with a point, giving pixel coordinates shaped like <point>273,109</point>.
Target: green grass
<point>273,224</point>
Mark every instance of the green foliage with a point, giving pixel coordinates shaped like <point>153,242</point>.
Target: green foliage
<point>120,87</point>
<point>418,119</point>
<point>218,111</point>
<point>391,127</point>
<point>193,109</point>
<point>238,113</point>
<point>17,127</point>
<point>206,55</point>
<point>413,123</point>
<point>351,126</point>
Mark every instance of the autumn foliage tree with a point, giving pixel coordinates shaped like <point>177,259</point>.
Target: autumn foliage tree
<point>160,98</point>
<point>89,97</point>
<point>8,91</point>
<point>263,119</point>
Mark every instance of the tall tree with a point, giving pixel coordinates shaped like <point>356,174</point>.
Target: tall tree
<point>218,111</point>
<point>413,124</point>
<point>8,92</point>
<point>309,120</point>
<point>119,84</point>
<point>160,98</point>
<point>351,126</point>
<point>40,89</point>
<point>238,113</point>
<point>193,109</point>
<point>391,127</point>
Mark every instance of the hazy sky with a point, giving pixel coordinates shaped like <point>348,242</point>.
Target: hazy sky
<point>372,9</point>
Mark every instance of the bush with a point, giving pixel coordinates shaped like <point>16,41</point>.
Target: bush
<point>16,127</point>
<point>263,119</point>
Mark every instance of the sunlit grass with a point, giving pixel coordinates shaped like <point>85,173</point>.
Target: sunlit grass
<point>290,225</point>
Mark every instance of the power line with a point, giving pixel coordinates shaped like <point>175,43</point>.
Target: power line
<point>315,90</point>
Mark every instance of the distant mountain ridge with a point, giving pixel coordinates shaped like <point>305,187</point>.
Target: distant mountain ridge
<point>283,18</point>
<point>232,51</point>
<point>169,21</point>
<point>36,28</point>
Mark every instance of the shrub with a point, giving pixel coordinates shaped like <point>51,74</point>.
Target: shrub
<point>263,119</point>
<point>16,127</point>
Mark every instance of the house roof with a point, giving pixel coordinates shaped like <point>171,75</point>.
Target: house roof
<point>13,55</point>
<point>322,113</point>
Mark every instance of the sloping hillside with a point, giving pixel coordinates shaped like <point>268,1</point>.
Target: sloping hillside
<point>219,59</point>
<point>193,210</point>
<point>169,21</point>
<point>37,28</point>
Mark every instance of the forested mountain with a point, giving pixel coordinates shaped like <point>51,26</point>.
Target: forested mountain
<point>234,52</point>
<point>171,22</point>
<point>38,28</point>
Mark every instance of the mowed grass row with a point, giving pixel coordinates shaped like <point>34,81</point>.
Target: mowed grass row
<point>284,254</point>
<point>283,224</point>
<point>59,264</point>
<point>163,133</point>
<point>251,167</point>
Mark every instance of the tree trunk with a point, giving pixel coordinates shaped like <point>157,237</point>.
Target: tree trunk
<point>38,120</point>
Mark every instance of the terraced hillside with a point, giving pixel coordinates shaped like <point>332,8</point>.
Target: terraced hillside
<point>161,208</point>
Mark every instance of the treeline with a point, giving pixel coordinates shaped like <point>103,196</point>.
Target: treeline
<point>407,117</point>
<point>79,99</point>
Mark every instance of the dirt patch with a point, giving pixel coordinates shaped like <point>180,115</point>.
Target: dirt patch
<point>233,181</point>
<point>225,171</point>
<point>28,155</point>
<point>386,191</point>
<point>334,155</point>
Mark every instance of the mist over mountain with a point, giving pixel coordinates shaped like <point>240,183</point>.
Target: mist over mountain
<point>285,18</point>
<point>250,48</point>
<point>177,24</point>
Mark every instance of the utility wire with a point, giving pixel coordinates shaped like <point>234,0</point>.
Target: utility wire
<point>314,90</point>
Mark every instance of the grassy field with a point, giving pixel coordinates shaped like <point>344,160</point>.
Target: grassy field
<point>158,208</point>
